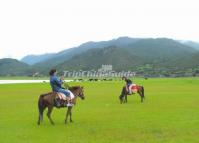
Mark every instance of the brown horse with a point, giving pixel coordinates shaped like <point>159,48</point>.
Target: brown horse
<point>48,100</point>
<point>124,93</point>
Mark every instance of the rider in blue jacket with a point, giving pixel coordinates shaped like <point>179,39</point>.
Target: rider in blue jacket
<point>56,83</point>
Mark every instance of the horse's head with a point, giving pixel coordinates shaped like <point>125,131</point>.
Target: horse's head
<point>81,92</point>
<point>78,91</point>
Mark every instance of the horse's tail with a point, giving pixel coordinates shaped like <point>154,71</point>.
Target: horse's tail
<point>40,104</point>
<point>123,95</point>
<point>41,107</point>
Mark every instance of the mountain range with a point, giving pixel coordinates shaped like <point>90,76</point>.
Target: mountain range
<point>146,56</point>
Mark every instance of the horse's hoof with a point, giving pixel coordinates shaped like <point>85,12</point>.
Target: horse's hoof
<point>71,121</point>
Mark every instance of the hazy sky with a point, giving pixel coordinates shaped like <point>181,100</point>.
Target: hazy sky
<point>44,26</point>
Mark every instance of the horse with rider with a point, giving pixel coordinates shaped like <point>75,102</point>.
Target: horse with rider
<point>59,97</point>
<point>129,89</point>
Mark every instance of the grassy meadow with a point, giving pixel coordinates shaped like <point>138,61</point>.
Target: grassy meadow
<point>170,114</point>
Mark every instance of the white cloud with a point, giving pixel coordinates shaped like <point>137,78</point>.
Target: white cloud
<point>43,26</point>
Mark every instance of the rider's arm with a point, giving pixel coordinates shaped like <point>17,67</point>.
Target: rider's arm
<point>58,81</point>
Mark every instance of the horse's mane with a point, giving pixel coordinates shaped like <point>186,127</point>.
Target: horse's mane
<point>74,88</point>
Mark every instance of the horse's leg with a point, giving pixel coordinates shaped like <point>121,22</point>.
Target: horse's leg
<point>50,108</point>
<point>142,98</point>
<point>41,110</point>
<point>125,98</point>
<point>121,98</point>
<point>140,93</point>
<point>143,93</point>
<point>71,114</point>
<point>67,113</point>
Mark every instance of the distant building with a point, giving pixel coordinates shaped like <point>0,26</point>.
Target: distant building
<point>36,74</point>
<point>105,68</point>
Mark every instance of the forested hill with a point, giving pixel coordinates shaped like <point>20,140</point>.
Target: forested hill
<point>149,56</point>
<point>13,67</point>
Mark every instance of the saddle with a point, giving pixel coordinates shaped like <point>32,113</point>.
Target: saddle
<point>62,96</point>
<point>62,101</point>
<point>134,88</point>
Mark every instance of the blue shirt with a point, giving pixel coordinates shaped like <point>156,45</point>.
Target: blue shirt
<point>55,83</point>
<point>128,82</point>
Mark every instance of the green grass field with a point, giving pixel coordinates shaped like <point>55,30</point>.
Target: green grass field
<point>170,114</point>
